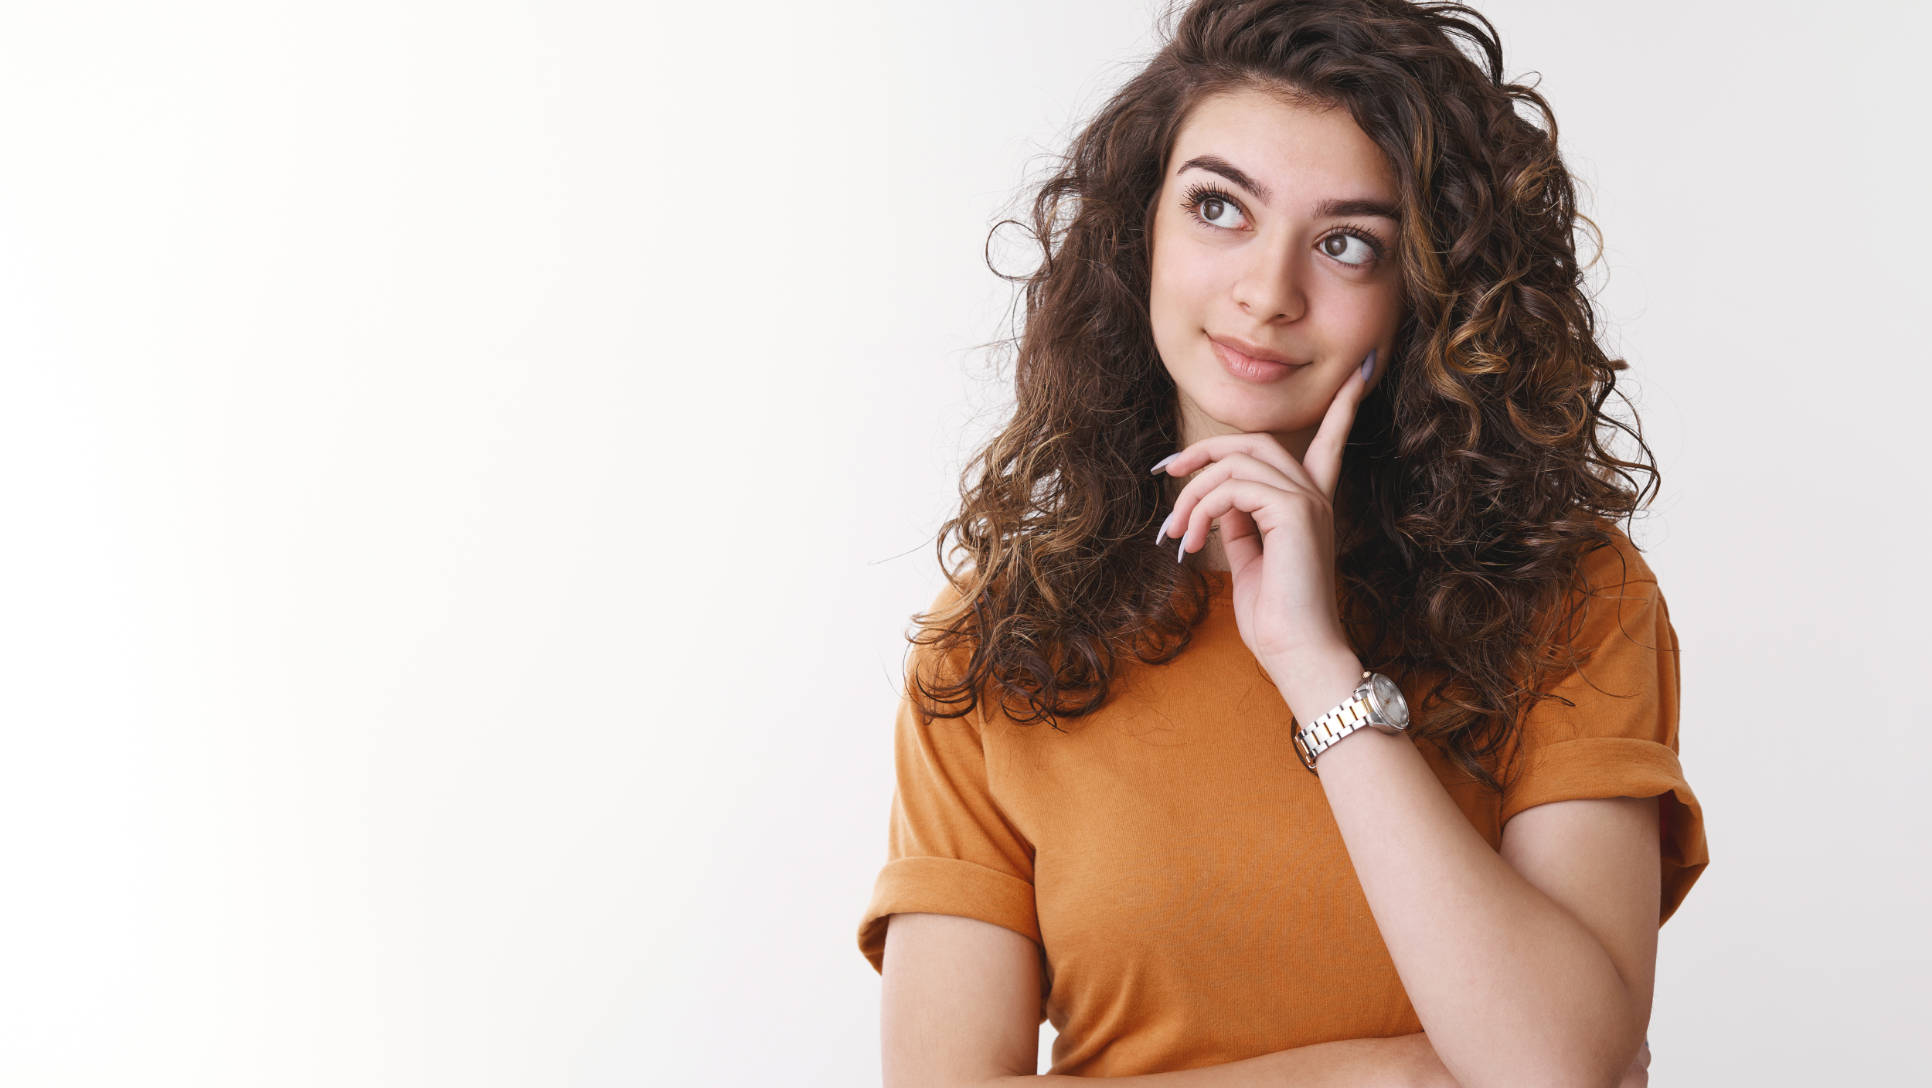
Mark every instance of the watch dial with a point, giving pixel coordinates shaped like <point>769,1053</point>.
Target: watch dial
<point>1394,707</point>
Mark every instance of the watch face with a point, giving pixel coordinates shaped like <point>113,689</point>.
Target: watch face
<point>1389,698</point>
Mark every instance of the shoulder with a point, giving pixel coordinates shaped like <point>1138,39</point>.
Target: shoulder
<point>1613,617</point>
<point>1613,586</point>
<point>941,641</point>
<point>1614,564</point>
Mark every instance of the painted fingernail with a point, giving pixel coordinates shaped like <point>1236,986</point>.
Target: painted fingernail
<point>1162,535</point>
<point>1182,550</point>
<point>1162,463</point>
<point>1368,365</point>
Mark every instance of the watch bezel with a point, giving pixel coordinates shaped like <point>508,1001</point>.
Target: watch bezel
<point>1389,711</point>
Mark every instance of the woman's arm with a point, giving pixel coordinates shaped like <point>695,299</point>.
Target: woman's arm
<point>1400,1061</point>
<point>1511,987</point>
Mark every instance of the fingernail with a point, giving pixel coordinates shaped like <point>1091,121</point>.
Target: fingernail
<point>1162,535</point>
<point>1182,550</point>
<point>1162,463</point>
<point>1368,365</point>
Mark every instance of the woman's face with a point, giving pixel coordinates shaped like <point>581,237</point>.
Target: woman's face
<point>1272,261</point>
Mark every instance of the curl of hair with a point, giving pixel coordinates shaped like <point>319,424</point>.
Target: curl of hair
<point>1476,477</point>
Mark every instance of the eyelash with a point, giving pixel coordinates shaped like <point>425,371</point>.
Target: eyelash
<point>1199,192</point>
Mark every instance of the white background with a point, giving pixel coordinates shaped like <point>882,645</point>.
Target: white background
<point>468,470</point>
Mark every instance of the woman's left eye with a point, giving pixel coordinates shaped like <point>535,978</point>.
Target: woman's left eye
<point>1372,247</point>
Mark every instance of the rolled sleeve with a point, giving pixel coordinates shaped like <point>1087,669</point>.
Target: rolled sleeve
<point>950,848</point>
<point>946,886</point>
<point>1612,731</point>
<point>1596,767</point>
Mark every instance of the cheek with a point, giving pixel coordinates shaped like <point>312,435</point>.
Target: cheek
<point>1382,301</point>
<point>1181,280</point>
<point>1363,312</point>
<point>1164,299</point>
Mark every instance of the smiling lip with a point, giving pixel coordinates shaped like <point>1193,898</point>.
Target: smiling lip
<point>1249,368</point>
<point>1253,351</point>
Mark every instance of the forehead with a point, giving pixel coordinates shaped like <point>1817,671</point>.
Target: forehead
<point>1300,153</point>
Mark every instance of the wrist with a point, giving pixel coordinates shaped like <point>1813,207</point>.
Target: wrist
<point>1316,683</point>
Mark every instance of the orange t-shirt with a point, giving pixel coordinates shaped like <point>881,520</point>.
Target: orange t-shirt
<point>1179,867</point>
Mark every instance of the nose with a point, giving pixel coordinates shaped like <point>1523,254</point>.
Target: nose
<point>1270,285</point>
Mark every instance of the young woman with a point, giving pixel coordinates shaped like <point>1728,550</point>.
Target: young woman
<point>1362,752</point>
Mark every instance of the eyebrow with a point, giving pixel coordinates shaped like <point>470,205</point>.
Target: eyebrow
<point>1330,208</point>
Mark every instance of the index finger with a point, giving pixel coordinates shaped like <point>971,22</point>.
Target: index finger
<point>1324,457</point>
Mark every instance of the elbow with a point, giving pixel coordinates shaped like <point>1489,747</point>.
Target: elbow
<point>1602,1065</point>
<point>1547,1077</point>
<point>1605,1057</point>
<point>1598,1050</point>
<point>1607,1064</point>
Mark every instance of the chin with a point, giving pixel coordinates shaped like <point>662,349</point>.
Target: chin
<point>1243,410</point>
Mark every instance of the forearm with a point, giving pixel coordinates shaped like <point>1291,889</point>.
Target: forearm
<point>1509,986</point>
<point>1400,1061</point>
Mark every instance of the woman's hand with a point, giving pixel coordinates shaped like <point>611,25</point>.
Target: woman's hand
<point>1277,521</point>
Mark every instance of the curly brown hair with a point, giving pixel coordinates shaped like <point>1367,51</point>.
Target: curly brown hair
<point>1473,487</point>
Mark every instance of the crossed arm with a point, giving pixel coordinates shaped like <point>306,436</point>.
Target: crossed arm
<point>1529,966</point>
<point>1400,1061</point>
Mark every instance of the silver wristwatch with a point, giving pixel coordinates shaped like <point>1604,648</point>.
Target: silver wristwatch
<point>1376,702</point>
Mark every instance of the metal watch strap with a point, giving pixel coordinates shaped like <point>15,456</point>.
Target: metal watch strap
<point>1321,734</point>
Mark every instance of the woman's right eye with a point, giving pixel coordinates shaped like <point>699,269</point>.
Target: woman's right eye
<point>1206,204</point>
